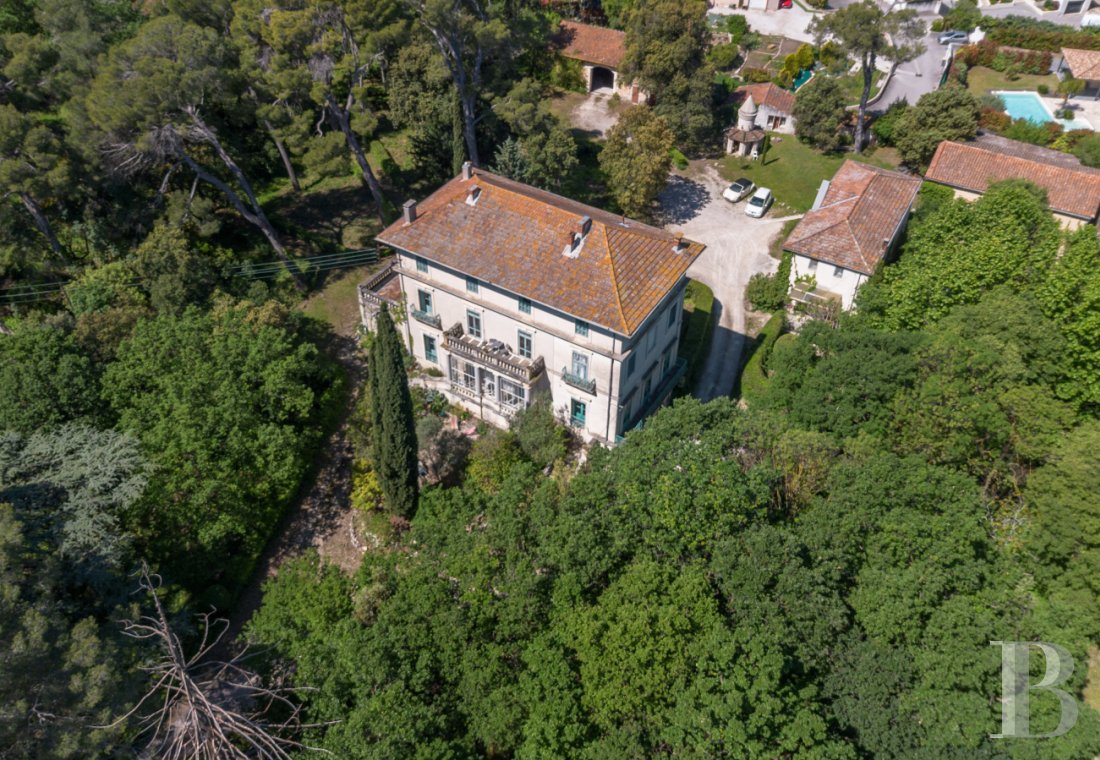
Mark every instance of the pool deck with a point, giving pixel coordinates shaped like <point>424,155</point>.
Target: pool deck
<point>1083,118</point>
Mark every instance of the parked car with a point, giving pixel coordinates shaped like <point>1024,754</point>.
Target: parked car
<point>738,189</point>
<point>784,4</point>
<point>958,37</point>
<point>759,203</point>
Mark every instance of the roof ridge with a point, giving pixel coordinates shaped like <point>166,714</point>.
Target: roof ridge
<point>614,276</point>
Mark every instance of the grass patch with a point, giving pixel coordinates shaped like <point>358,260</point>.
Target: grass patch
<point>754,379</point>
<point>337,303</point>
<point>697,328</point>
<point>852,86</point>
<point>793,170</point>
<point>980,80</point>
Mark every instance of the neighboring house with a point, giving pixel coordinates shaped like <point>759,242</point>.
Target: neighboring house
<point>774,105</point>
<point>600,51</point>
<point>1085,65</point>
<point>746,138</point>
<point>1073,190</point>
<point>510,290</point>
<point>855,223</point>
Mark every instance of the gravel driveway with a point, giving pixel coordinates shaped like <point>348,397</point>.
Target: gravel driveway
<point>737,248</point>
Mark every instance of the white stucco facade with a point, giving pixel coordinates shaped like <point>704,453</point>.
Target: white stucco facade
<point>600,382</point>
<point>831,279</point>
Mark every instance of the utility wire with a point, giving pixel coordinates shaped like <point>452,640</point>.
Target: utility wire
<point>44,291</point>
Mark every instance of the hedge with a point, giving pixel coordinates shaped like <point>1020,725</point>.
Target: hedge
<point>999,58</point>
<point>1032,34</point>
<point>754,378</point>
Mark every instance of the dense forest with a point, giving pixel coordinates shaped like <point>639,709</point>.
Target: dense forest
<point>817,572</point>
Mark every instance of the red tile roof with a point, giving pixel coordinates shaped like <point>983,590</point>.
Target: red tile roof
<point>767,94</point>
<point>860,212</point>
<point>1085,64</point>
<point>1071,189</point>
<point>591,44</point>
<point>514,236</point>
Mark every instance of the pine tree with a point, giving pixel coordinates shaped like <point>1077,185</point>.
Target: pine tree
<point>394,431</point>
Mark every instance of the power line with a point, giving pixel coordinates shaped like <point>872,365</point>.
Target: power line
<point>44,291</point>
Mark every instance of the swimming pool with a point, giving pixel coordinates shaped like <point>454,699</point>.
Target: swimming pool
<point>1028,105</point>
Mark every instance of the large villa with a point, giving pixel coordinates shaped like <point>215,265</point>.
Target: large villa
<point>510,291</point>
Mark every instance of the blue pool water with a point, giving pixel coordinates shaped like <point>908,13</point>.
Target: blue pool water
<point>1028,105</point>
<point>802,78</point>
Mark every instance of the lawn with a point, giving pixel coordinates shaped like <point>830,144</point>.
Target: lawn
<point>852,85</point>
<point>697,328</point>
<point>980,80</point>
<point>338,301</point>
<point>793,170</point>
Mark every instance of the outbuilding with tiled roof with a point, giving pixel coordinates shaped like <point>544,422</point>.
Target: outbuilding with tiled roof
<point>1073,190</point>
<point>600,52</point>
<point>855,223</point>
<point>1083,64</point>
<point>774,105</point>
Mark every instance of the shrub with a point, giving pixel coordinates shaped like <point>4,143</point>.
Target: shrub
<point>1087,149</point>
<point>679,160</point>
<point>737,26</point>
<point>1033,34</point>
<point>768,292</point>
<point>755,75</point>
<point>754,377</point>
<point>884,126</point>
<point>541,437</point>
<point>566,73</point>
<point>937,25</point>
<point>1030,132</point>
<point>995,120</point>
<point>1042,89</point>
<point>1006,59</point>
<point>724,57</point>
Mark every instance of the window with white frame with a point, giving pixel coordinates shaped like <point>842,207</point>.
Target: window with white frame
<point>512,394</point>
<point>580,327</point>
<point>812,265</point>
<point>580,365</point>
<point>525,344</point>
<point>464,374</point>
<point>631,364</point>
<point>473,323</point>
<point>838,271</point>
<point>429,349</point>
<point>471,284</point>
<point>671,315</point>
<point>525,305</point>
<point>421,265</point>
<point>424,299</point>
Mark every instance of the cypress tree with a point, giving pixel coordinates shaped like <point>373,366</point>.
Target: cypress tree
<point>458,139</point>
<point>394,431</point>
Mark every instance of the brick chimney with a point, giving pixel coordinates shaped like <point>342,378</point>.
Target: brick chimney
<point>409,211</point>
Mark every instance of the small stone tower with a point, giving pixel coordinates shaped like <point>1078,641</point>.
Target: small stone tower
<point>746,115</point>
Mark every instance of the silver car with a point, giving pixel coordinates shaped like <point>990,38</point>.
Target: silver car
<point>960,38</point>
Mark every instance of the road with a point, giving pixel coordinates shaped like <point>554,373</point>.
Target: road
<point>737,248</point>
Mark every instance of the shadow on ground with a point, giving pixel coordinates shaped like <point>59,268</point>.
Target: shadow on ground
<point>682,200</point>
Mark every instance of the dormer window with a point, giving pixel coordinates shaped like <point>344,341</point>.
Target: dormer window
<point>473,195</point>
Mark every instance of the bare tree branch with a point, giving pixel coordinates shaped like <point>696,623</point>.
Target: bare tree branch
<point>207,708</point>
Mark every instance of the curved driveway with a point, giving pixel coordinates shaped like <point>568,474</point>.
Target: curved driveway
<point>737,248</point>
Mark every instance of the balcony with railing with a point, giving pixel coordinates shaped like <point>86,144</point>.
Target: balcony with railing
<point>588,385</point>
<point>432,320</point>
<point>492,354</point>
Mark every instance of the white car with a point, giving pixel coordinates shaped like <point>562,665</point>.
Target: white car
<point>759,203</point>
<point>738,190</point>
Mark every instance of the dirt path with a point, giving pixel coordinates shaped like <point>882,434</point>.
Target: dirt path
<point>322,515</point>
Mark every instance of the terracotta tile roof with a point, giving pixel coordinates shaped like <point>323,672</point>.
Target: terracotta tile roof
<point>767,94</point>
<point>591,44</point>
<point>514,237</point>
<point>1071,188</point>
<point>1085,64</point>
<point>862,208</point>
